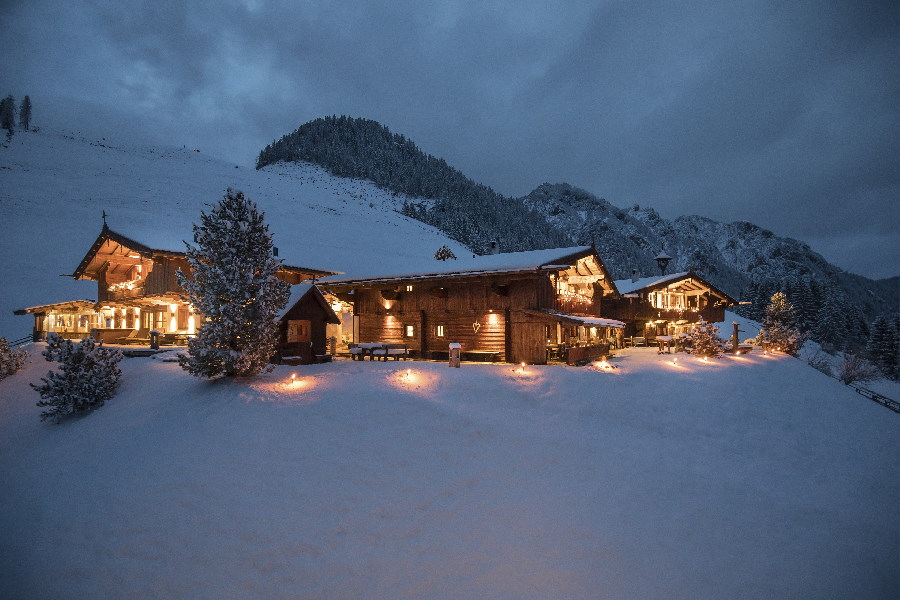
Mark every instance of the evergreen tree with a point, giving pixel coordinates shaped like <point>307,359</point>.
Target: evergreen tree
<point>8,115</point>
<point>830,328</point>
<point>780,325</point>
<point>883,348</point>
<point>705,339</point>
<point>25,114</point>
<point>234,287</point>
<point>88,376</point>
<point>11,360</point>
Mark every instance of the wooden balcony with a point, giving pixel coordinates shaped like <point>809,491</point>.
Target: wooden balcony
<point>634,309</point>
<point>575,306</point>
<point>116,295</point>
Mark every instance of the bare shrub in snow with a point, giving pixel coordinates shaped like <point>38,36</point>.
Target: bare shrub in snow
<point>444,253</point>
<point>11,359</point>
<point>820,362</point>
<point>88,376</point>
<point>855,368</point>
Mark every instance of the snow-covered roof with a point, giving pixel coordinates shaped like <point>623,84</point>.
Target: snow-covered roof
<point>627,286</point>
<point>595,321</point>
<point>152,241</point>
<point>298,291</point>
<point>56,305</point>
<point>530,260</point>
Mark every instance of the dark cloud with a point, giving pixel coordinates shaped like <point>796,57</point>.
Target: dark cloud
<point>783,114</point>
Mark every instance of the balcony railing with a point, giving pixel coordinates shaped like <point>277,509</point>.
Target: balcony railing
<point>571,305</point>
<point>632,309</point>
<point>121,293</point>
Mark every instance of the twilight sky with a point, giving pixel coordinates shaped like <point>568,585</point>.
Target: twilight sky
<point>785,114</point>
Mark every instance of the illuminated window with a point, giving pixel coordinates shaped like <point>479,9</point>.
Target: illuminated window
<point>440,331</point>
<point>410,331</point>
<point>409,288</point>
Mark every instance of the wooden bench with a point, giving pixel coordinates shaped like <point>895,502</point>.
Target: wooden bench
<point>480,356</point>
<point>582,355</point>
<point>395,351</point>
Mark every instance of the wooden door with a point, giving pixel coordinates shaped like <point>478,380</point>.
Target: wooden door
<point>299,331</point>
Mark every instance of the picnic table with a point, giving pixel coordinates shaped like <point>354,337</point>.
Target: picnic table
<point>664,344</point>
<point>378,350</point>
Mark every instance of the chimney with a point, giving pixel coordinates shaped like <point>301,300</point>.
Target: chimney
<point>634,276</point>
<point>494,247</point>
<point>662,259</point>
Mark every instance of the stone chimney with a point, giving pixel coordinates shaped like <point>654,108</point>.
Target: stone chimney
<point>494,247</point>
<point>634,276</point>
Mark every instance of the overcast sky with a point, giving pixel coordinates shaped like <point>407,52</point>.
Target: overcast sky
<point>780,113</point>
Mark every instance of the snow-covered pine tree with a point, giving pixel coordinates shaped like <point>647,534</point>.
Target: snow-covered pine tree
<point>11,359</point>
<point>830,328</point>
<point>234,287</point>
<point>883,349</point>
<point>88,376</point>
<point>444,253</point>
<point>780,325</point>
<point>25,114</point>
<point>705,339</point>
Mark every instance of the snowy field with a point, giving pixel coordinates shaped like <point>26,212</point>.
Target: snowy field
<point>745,477</point>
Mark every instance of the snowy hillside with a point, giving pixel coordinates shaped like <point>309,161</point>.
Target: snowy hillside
<point>54,187</point>
<point>746,477</point>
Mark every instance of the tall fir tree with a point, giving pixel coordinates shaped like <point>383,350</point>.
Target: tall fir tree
<point>235,289</point>
<point>883,348</point>
<point>8,114</point>
<point>25,114</point>
<point>780,325</point>
<point>830,328</point>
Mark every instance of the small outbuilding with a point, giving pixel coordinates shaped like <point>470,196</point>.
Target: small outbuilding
<point>303,326</point>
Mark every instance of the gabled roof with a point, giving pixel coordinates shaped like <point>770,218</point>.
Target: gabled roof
<point>144,251</point>
<point>300,291</point>
<point>507,262</point>
<point>627,286</point>
<point>649,284</point>
<point>67,305</point>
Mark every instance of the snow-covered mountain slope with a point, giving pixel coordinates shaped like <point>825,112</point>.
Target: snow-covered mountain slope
<point>745,477</point>
<point>54,187</point>
<point>728,254</point>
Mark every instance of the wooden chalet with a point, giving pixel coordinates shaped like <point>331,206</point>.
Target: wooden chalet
<point>666,304</point>
<point>137,291</point>
<point>510,307</point>
<point>303,326</point>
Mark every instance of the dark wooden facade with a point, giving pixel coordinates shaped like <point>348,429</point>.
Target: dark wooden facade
<point>669,304</point>
<point>302,327</point>
<point>510,314</point>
